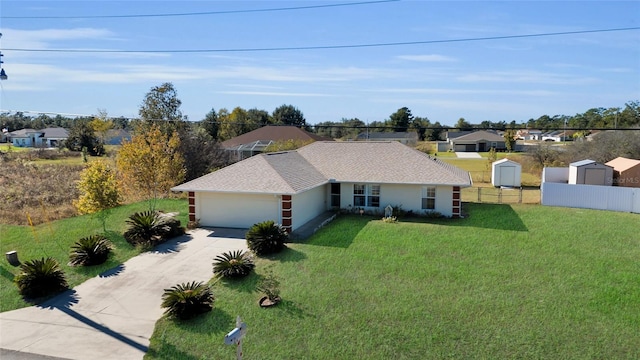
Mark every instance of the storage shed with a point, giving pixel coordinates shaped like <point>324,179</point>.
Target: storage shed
<point>626,172</point>
<point>506,172</point>
<point>589,172</point>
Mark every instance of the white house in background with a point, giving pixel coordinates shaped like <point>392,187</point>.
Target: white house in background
<point>293,187</point>
<point>48,137</point>
<point>506,172</point>
<point>589,172</point>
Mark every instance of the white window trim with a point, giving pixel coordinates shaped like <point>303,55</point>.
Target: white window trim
<point>368,195</point>
<point>425,196</point>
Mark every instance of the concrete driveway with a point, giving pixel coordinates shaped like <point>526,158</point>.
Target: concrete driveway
<point>112,316</point>
<point>468,155</point>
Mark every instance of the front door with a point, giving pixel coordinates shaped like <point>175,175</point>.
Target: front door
<point>335,195</point>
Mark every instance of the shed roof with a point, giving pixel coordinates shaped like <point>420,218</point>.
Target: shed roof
<point>505,161</point>
<point>582,163</point>
<point>323,161</point>
<point>622,163</point>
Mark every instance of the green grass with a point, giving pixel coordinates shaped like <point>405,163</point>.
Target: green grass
<point>518,281</point>
<point>55,239</point>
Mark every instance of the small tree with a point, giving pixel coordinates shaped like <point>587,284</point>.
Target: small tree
<point>98,188</point>
<point>509,139</point>
<point>491,158</point>
<point>150,164</point>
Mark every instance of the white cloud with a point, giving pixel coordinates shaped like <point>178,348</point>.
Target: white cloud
<point>268,93</point>
<point>533,77</point>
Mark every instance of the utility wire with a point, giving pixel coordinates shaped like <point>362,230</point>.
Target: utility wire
<point>325,47</point>
<point>200,13</point>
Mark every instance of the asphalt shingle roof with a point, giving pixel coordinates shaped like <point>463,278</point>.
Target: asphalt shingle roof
<point>323,161</point>
<point>480,135</point>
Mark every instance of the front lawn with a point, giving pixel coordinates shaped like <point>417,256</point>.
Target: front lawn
<point>55,238</point>
<point>508,281</point>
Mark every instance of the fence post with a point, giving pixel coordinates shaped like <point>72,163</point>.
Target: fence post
<point>499,195</point>
<point>520,197</point>
<point>479,196</point>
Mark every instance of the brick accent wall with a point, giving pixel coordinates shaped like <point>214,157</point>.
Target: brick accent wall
<point>192,206</point>
<point>286,212</point>
<point>456,203</point>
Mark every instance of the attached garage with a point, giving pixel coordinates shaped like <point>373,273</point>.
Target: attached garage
<point>235,210</point>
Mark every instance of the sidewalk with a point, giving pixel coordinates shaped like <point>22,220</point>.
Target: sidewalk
<point>112,316</point>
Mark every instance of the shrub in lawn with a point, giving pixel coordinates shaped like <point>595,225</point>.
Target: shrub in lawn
<point>185,301</point>
<point>266,237</point>
<point>40,277</point>
<point>270,287</point>
<point>151,227</point>
<point>92,250</point>
<point>234,264</point>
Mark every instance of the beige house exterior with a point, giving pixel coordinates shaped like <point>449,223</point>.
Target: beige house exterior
<point>293,187</point>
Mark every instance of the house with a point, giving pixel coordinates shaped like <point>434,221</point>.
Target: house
<point>506,172</point>
<point>254,142</point>
<point>626,172</point>
<point>48,137</point>
<point>557,136</point>
<point>589,172</point>
<point>293,187</point>
<point>529,134</point>
<point>407,138</point>
<point>480,141</point>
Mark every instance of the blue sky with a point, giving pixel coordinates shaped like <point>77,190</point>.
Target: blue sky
<point>496,80</point>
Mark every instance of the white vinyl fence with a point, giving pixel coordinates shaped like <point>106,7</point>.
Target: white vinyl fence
<point>615,198</point>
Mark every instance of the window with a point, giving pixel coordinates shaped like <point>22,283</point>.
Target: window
<point>429,198</point>
<point>366,195</point>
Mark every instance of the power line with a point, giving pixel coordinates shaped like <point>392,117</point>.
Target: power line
<point>326,47</point>
<point>201,13</point>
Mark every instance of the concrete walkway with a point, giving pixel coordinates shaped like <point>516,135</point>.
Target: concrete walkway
<point>468,155</point>
<point>112,316</point>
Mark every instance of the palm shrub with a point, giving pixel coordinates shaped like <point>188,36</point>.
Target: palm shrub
<point>234,264</point>
<point>185,301</point>
<point>151,227</point>
<point>266,237</point>
<point>40,277</point>
<point>92,250</point>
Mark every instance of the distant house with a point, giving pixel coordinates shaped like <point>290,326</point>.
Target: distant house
<point>48,137</point>
<point>589,172</point>
<point>254,142</point>
<point>557,135</point>
<point>407,138</point>
<point>294,187</point>
<point>527,134</point>
<point>475,141</point>
<point>626,172</point>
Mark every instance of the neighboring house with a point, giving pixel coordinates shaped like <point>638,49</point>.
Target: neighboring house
<point>254,142</point>
<point>48,137</point>
<point>626,172</point>
<point>589,172</point>
<point>558,136</point>
<point>526,134</point>
<point>293,187</point>
<point>407,138</point>
<point>478,141</point>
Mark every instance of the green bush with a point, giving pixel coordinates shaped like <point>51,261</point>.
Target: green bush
<point>234,264</point>
<point>149,228</point>
<point>92,250</point>
<point>185,301</point>
<point>38,278</point>
<point>266,237</point>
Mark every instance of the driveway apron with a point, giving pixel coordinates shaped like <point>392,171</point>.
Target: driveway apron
<point>112,316</point>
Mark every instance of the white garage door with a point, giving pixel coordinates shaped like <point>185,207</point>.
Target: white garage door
<point>236,210</point>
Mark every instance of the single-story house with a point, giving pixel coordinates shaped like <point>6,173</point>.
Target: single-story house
<point>589,172</point>
<point>476,141</point>
<point>626,172</point>
<point>293,187</point>
<point>558,136</point>
<point>529,134</point>
<point>254,142</point>
<point>48,137</point>
<point>407,138</point>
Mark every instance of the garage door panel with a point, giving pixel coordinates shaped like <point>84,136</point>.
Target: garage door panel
<point>237,210</point>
